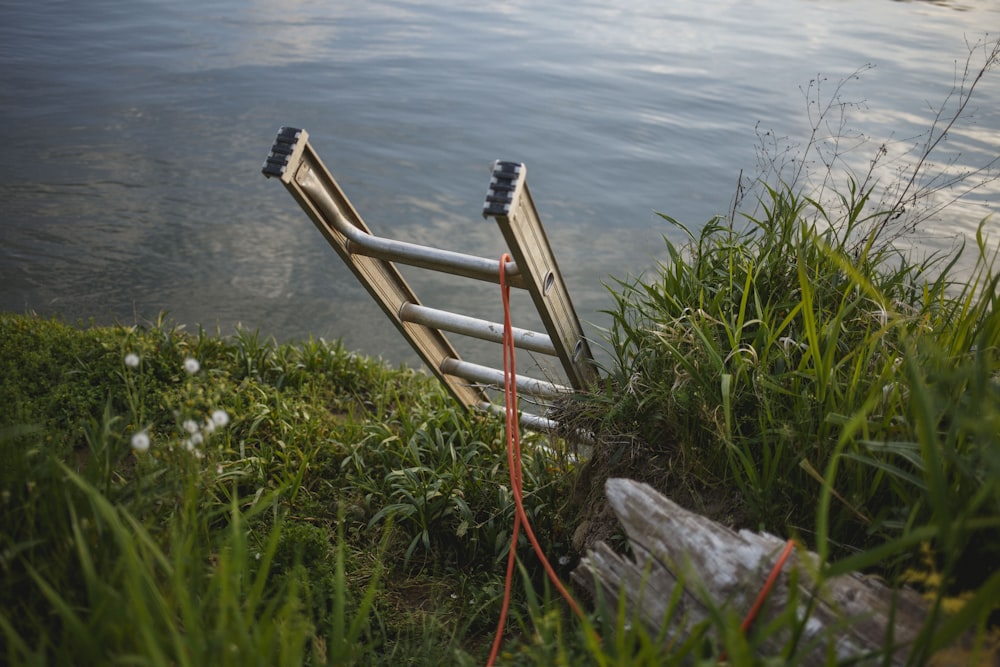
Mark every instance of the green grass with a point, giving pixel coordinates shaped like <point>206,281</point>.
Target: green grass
<point>350,513</point>
<point>344,513</point>
<point>791,367</point>
<point>850,395</point>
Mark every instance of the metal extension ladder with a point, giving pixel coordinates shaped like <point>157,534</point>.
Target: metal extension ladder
<point>373,260</point>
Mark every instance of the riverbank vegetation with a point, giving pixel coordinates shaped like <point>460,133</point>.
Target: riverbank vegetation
<point>799,368</point>
<point>181,498</point>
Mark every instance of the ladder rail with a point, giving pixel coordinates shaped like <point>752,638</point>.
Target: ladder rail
<point>509,202</point>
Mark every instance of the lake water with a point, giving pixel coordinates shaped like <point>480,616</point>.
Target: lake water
<point>135,132</point>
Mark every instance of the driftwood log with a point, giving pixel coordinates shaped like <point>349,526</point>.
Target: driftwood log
<point>850,615</point>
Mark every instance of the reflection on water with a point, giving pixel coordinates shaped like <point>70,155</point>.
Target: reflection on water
<point>135,134</point>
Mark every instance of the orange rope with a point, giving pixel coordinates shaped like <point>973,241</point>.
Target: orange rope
<point>514,464</point>
<point>768,585</point>
<point>765,591</point>
<point>521,518</point>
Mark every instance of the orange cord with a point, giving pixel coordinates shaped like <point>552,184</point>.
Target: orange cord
<point>768,585</point>
<point>514,464</point>
<point>521,517</point>
<point>765,591</point>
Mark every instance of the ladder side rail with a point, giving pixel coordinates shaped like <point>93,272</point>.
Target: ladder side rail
<point>509,202</point>
<point>319,195</point>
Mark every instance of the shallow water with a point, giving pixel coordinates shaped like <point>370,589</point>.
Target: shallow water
<point>135,134</point>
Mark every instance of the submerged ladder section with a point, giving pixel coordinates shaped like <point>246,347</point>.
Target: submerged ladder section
<point>373,261</point>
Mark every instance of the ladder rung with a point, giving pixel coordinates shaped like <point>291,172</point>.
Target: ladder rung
<point>527,419</point>
<point>364,243</point>
<point>424,257</point>
<point>494,377</point>
<point>470,326</point>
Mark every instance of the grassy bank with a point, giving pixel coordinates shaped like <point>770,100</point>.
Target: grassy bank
<point>788,377</point>
<point>182,498</point>
<point>792,368</point>
<point>174,498</point>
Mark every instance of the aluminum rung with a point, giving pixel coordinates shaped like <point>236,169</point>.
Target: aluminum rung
<point>526,419</point>
<point>425,257</point>
<point>363,242</point>
<point>495,377</point>
<point>525,339</point>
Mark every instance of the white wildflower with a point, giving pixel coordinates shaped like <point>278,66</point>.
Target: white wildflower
<point>189,445</point>
<point>191,426</point>
<point>208,427</point>
<point>220,417</point>
<point>132,360</point>
<point>140,441</point>
<point>887,390</point>
<point>197,439</point>
<point>788,343</point>
<point>191,365</point>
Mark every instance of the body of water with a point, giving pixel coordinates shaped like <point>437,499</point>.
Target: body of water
<point>135,132</point>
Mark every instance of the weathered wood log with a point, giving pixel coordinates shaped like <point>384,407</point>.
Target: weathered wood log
<point>852,615</point>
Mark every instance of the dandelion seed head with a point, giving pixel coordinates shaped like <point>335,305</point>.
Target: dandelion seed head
<point>197,439</point>
<point>189,445</point>
<point>220,417</point>
<point>191,365</point>
<point>132,360</point>
<point>208,427</point>
<point>140,441</point>
<point>191,426</point>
